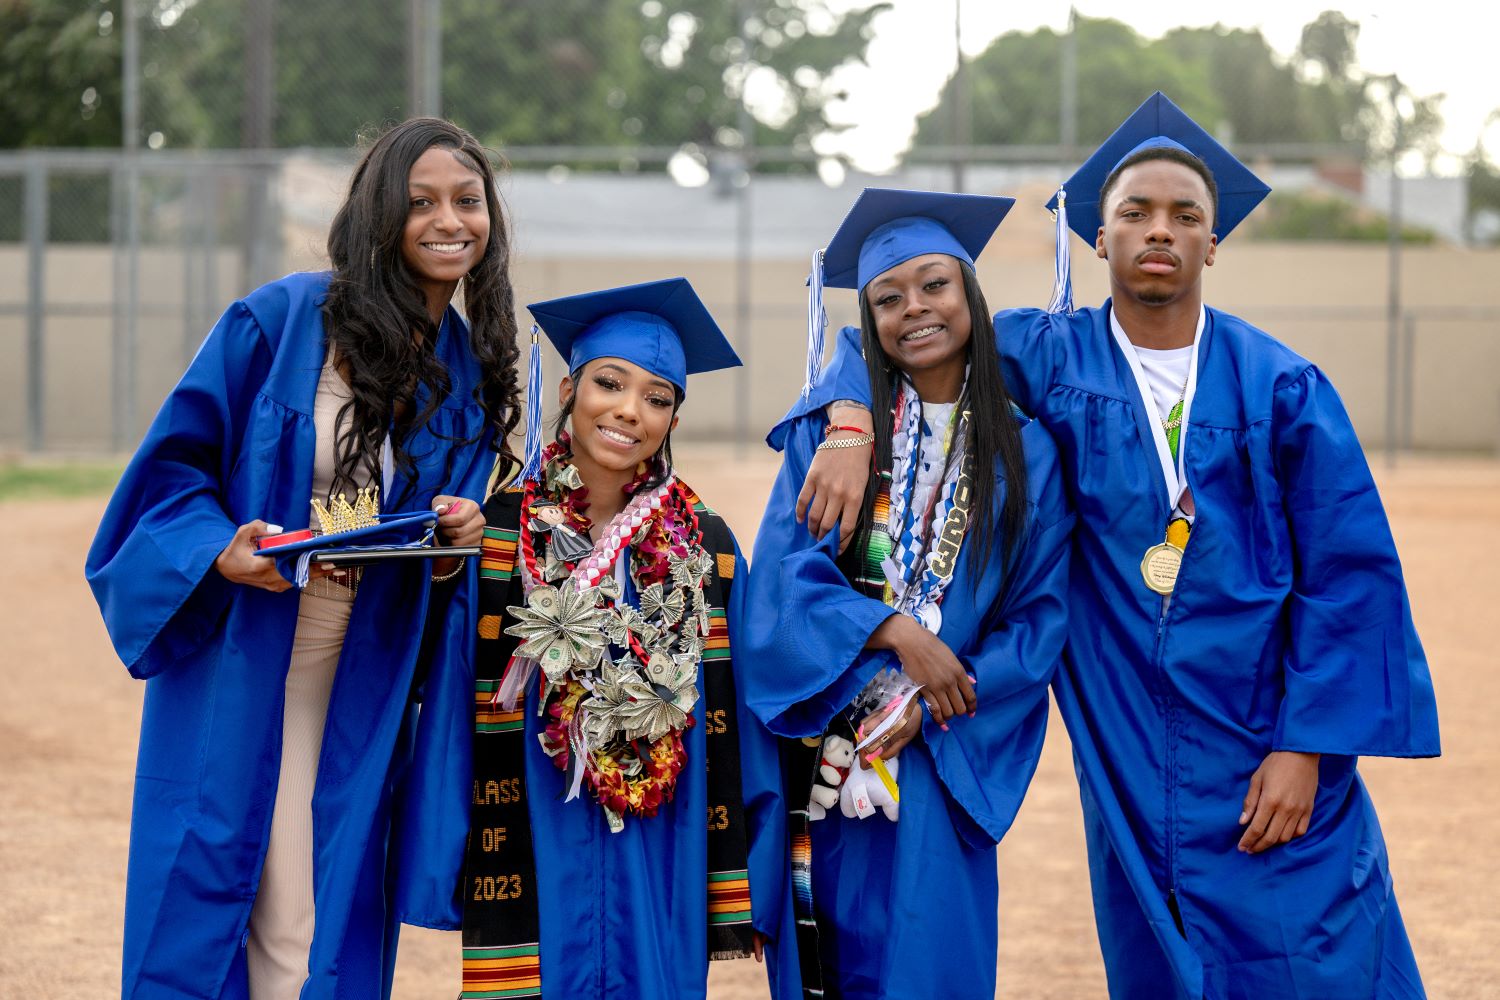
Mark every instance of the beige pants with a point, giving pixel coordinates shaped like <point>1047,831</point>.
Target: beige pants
<point>281,922</point>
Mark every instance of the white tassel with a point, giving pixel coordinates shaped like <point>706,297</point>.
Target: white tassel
<point>817,323</point>
<point>1062,271</point>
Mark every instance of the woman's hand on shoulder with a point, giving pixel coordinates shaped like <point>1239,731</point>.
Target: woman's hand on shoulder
<point>460,521</point>
<point>834,491</point>
<point>238,563</point>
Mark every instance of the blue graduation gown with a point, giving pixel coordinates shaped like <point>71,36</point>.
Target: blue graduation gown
<point>235,441</point>
<point>1289,629</point>
<point>891,896</point>
<point>625,915</point>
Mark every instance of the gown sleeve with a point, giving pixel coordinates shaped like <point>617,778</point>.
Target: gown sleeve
<point>844,377</point>
<point>806,626</point>
<point>1032,344</point>
<point>760,779</point>
<point>151,562</point>
<point>1356,678</point>
<point>987,761</point>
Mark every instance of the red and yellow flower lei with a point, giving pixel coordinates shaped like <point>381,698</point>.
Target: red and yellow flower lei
<point>634,780</point>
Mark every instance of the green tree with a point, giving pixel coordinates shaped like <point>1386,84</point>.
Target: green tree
<point>59,73</point>
<point>618,73</point>
<point>1229,79</point>
<point>1015,98</point>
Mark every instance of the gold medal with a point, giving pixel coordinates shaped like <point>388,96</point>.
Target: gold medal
<point>1159,567</point>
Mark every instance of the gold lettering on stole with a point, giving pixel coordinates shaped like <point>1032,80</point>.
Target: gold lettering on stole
<point>954,527</point>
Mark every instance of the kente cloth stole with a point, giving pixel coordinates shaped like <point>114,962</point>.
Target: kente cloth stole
<point>501,932</point>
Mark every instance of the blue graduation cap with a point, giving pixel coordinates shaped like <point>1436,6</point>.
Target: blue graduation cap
<point>886,227</point>
<point>1156,124</point>
<point>662,326</point>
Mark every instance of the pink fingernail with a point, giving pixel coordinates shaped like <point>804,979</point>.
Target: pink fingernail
<point>943,726</point>
<point>972,678</point>
<point>871,758</point>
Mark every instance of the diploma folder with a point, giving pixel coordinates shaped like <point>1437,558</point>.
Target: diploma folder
<point>379,553</point>
<point>397,536</point>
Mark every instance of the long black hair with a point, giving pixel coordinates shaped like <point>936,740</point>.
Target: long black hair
<point>376,313</point>
<point>661,462</point>
<point>994,437</point>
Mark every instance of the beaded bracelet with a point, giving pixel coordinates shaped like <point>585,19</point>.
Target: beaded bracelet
<point>854,442</point>
<point>451,573</point>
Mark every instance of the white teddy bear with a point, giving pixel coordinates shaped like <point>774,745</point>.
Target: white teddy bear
<point>864,792</point>
<point>838,757</point>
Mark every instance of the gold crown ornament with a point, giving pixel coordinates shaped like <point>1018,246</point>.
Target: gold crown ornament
<point>339,516</point>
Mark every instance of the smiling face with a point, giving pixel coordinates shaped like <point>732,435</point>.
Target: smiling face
<point>923,323</point>
<point>621,415</point>
<point>1157,233</point>
<point>447,222</point>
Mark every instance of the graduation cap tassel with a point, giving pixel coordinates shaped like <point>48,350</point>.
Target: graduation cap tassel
<point>817,323</point>
<point>1062,268</point>
<point>532,467</point>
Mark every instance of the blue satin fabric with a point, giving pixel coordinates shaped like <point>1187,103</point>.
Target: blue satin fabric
<point>891,896</point>
<point>1289,629</point>
<point>234,441</point>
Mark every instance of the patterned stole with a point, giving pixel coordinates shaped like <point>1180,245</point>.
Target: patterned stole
<point>501,935</point>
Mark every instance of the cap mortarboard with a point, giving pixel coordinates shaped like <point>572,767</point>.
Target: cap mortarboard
<point>886,227</point>
<point>662,326</point>
<point>1156,124</point>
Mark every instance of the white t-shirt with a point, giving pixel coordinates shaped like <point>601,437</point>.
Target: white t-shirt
<point>1166,373</point>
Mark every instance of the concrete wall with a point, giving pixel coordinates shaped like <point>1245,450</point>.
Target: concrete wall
<point>1325,301</point>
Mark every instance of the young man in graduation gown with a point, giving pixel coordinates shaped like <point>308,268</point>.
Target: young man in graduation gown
<point>1240,629</point>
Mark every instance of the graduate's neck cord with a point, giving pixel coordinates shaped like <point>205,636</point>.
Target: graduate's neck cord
<point>932,565</point>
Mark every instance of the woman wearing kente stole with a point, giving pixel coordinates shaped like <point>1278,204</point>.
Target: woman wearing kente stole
<point>928,638</point>
<point>626,819</point>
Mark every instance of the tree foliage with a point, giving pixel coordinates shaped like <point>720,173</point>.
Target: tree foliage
<point>617,73</point>
<point>1230,79</point>
<point>59,73</point>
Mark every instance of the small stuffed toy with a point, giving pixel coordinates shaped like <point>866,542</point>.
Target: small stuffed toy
<point>838,757</point>
<point>864,792</point>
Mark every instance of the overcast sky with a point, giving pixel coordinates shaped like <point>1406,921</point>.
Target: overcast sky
<point>1436,46</point>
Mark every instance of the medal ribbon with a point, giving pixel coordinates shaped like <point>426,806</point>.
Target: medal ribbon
<point>1172,460</point>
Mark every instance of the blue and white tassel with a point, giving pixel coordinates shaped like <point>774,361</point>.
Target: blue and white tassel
<point>532,467</point>
<point>817,324</point>
<point>1062,268</point>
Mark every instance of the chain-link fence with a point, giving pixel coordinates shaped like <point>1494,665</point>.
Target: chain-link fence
<point>656,137</point>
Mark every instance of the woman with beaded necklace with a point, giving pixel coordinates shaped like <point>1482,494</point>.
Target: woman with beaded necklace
<point>931,636</point>
<point>626,823</point>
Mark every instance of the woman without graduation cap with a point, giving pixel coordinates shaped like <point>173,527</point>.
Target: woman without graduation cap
<point>953,587</point>
<point>627,822</point>
<point>278,721</point>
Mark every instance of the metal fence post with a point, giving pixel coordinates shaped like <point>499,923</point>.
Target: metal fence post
<point>1408,377</point>
<point>36,306</point>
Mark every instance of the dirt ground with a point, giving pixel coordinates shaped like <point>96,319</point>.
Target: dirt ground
<point>70,714</point>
